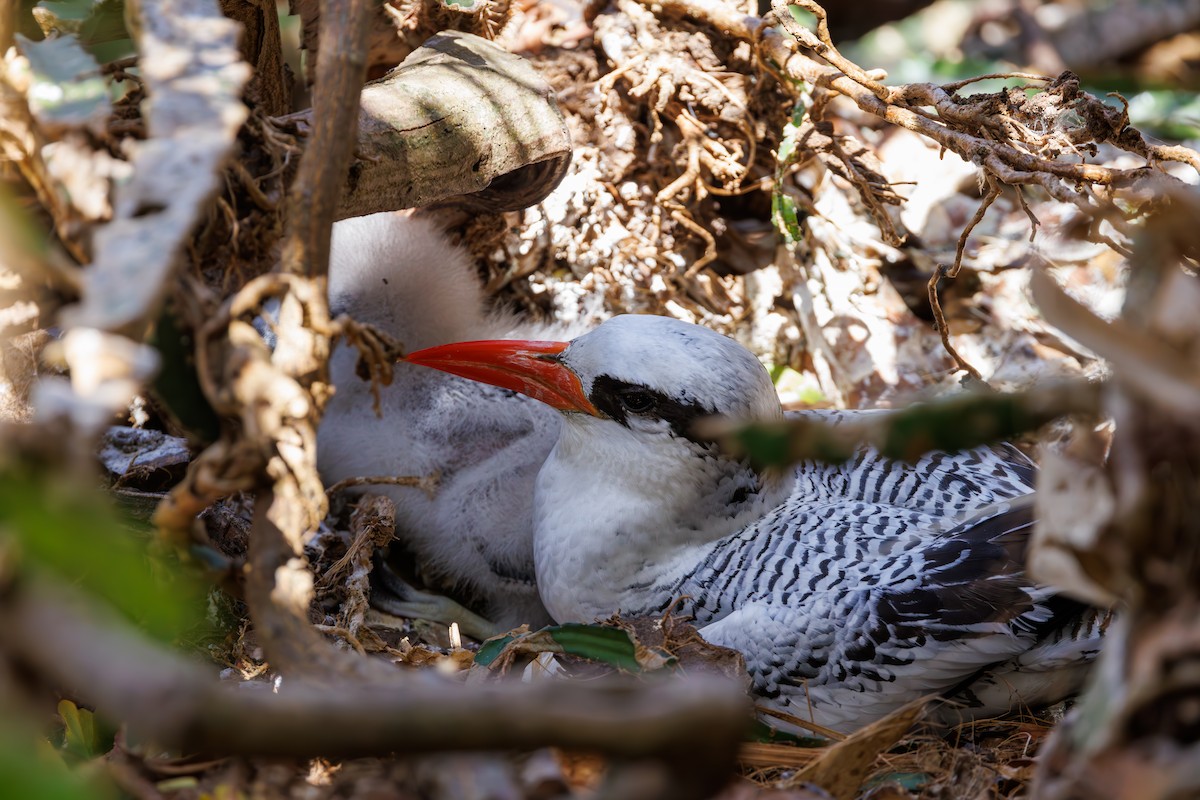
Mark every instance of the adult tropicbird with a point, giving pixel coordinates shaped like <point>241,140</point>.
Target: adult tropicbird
<point>474,533</point>
<point>850,589</point>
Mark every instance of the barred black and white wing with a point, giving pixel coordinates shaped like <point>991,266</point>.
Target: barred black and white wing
<point>851,610</point>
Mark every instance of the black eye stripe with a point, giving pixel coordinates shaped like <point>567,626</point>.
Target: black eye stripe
<point>613,397</point>
<point>637,401</point>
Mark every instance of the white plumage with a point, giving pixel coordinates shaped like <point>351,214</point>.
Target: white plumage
<point>850,589</point>
<point>474,534</point>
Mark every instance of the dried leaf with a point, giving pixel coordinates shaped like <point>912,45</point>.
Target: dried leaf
<point>842,769</point>
<point>1074,505</point>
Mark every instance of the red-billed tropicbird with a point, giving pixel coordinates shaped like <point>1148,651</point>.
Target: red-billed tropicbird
<point>474,533</point>
<point>850,589</point>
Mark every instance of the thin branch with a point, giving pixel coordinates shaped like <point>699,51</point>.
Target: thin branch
<point>898,105</point>
<point>426,483</point>
<point>341,70</point>
<point>943,327</point>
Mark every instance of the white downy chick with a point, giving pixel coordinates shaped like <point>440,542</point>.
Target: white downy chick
<point>474,534</point>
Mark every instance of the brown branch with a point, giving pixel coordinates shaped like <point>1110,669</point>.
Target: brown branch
<point>943,327</point>
<point>693,723</point>
<point>426,483</point>
<point>279,586</point>
<point>822,43</point>
<point>899,105</point>
<point>268,92</point>
<point>1147,366</point>
<point>8,23</point>
<point>341,70</point>
<point>939,318</point>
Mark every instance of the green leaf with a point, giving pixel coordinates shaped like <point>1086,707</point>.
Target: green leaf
<point>490,650</point>
<point>98,25</point>
<point>602,643</point>
<point>26,774</point>
<point>784,215</point>
<point>73,532</point>
<point>598,643</point>
<point>80,738</point>
<point>762,732</point>
<point>69,10</point>
<point>787,221</point>
<point>66,87</point>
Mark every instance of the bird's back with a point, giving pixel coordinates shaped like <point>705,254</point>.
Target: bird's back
<point>877,582</point>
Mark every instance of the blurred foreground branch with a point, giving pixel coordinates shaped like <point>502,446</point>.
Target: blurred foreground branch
<point>695,723</point>
<point>952,424</point>
<point>278,394</point>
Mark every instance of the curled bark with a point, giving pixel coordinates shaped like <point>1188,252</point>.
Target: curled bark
<point>460,119</point>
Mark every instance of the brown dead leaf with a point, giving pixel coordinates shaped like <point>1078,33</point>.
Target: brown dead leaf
<point>692,652</point>
<point>843,767</point>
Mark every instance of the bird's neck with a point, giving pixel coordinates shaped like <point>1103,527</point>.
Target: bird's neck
<point>618,522</point>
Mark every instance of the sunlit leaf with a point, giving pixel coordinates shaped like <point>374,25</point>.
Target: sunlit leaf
<point>98,25</point>
<point>784,215</point>
<point>69,10</point>
<point>80,736</point>
<point>177,784</point>
<point>787,221</point>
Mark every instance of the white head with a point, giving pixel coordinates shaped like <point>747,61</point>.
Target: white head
<point>655,374</point>
<point>659,375</point>
<point>631,487</point>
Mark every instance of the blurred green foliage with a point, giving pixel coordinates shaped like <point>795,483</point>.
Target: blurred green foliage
<point>38,772</point>
<point>952,425</point>
<point>98,25</point>
<point>73,532</point>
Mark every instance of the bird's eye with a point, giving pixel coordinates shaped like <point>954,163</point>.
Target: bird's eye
<point>637,402</point>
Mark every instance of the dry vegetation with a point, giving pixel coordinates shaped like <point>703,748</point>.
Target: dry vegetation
<point>870,239</point>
